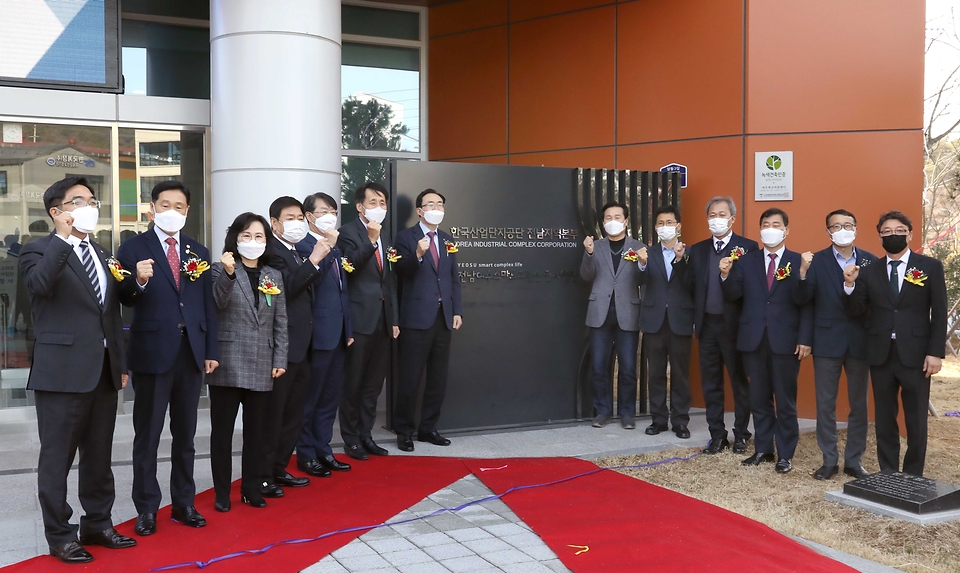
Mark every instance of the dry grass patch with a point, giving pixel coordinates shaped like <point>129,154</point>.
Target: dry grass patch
<point>795,503</point>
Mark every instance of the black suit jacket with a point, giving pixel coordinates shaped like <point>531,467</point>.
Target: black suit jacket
<point>423,284</point>
<point>833,330</point>
<point>298,276</point>
<point>659,293</point>
<point>331,301</point>
<point>702,271</point>
<point>69,322</point>
<point>918,314</point>
<point>368,286</point>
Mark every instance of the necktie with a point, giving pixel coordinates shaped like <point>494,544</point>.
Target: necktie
<point>771,270</point>
<point>376,255</point>
<point>894,279</point>
<point>173,259</point>
<point>433,253</point>
<point>719,247</point>
<point>91,269</point>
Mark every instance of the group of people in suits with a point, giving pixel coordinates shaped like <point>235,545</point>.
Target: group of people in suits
<point>757,313</point>
<point>293,322</point>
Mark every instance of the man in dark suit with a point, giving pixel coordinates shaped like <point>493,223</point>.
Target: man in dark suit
<point>332,334</point>
<point>285,418</point>
<point>77,370</point>
<point>375,317</point>
<point>173,341</point>
<point>775,335</point>
<point>839,343</point>
<point>430,311</point>
<point>666,320</point>
<point>905,301</point>
<point>716,322</point>
<point>613,314</point>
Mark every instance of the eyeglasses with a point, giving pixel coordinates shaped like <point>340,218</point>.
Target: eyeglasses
<point>321,212</point>
<point>899,232</point>
<point>431,206</point>
<point>79,203</point>
<point>665,224</point>
<point>846,227</point>
<point>247,237</point>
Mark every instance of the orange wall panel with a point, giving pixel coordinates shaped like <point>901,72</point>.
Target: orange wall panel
<point>828,65</point>
<point>561,82</point>
<point>526,9</point>
<point>679,70</point>
<point>600,158</point>
<point>496,160</point>
<point>466,15</point>
<point>468,94</point>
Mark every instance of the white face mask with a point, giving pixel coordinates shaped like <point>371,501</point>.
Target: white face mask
<point>326,222</point>
<point>718,226</point>
<point>375,215</point>
<point>170,220</point>
<point>843,237</point>
<point>614,227</point>
<point>85,218</point>
<point>666,233</point>
<point>294,231</point>
<point>434,217</point>
<point>771,237</point>
<point>251,249</point>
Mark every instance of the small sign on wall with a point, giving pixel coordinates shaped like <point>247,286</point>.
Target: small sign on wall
<point>773,176</point>
<point>677,168</point>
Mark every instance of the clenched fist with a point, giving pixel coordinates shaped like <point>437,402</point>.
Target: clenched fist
<point>805,260</point>
<point>678,250</point>
<point>226,259</point>
<point>332,235</point>
<point>588,244</point>
<point>422,246</point>
<point>850,275</point>
<point>726,263</point>
<point>320,250</point>
<point>144,271</point>
<point>642,256</point>
<point>373,231</point>
<point>64,223</point>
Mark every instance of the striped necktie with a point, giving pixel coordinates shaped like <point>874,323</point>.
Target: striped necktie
<point>91,269</point>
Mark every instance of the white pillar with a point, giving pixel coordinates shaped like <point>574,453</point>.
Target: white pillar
<point>274,104</point>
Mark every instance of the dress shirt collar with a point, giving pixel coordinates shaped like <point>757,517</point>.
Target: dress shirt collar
<point>779,253</point>
<point>163,237</point>
<point>723,242</point>
<point>905,259</point>
<point>284,243</point>
<point>426,230</point>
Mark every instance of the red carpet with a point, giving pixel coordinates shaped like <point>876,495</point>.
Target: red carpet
<point>631,525</point>
<point>371,493</point>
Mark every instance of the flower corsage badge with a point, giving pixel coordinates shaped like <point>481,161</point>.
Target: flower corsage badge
<point>915,276</point>
<point>393,256</point>
<point>193,266</point>
<point>268,288</point>
<point>116,269</point>
<point>783,272</point>
<point>451,246</point>
<point>347,265</point>
<point>737,252</point>
<point>631,256</point>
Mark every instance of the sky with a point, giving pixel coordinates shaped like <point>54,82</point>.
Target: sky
<point>943,21</point>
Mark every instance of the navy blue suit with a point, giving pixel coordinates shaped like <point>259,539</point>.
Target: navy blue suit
<point>717,329</point>
<point>839,344</point>
<point>331,329</point>
<point>772,323</point>
<point>430,297</point>
<point>173,332</point>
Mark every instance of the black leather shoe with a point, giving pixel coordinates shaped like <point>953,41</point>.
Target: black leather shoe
<point>356,452</point>
<point>188,516</point>
<point>146,524</point>
<point>72,553</point>
<point>405,443</point>
<point>222,506</point>
<point>332,463</point>
<point>783,466</point>
<point>108,538</point>
<point>682,432</point>
<point>287,480</point>
<point>372,448</point>
<point>313,468</point>
<point>654,429</point>
<point>716,446</point>
<point>268,489</point>
<point>253,501</point>
<point>825,472</point>
<point>740,446</point>
<point>757,459</point>
<point>434,438</point>
<point>856,471</point>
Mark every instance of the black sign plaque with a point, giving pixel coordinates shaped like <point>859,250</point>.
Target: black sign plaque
<point>907,492</point>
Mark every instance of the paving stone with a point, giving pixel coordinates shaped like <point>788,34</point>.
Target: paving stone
<point>467,564</point>
<point>326,565</point>
<point>449,522</point>
<point>507,556</point>
<point>471,534</point>
<point>430,539</point>
<point>380,533</point>
<point>556,565</point>
<point>423,568</point>
<point>390,545</point>
<point>539,552</point>
<point>484,546</point>
<point>363,563</point>
<point>354,549</point>
<point>527,567</point>
<point>504,529</point>
<point>409,557</point>
<point>447,551</point>
<point>413,528</point>
<point>523,540</point>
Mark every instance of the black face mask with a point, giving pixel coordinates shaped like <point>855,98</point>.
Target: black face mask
<point>894,244</point>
